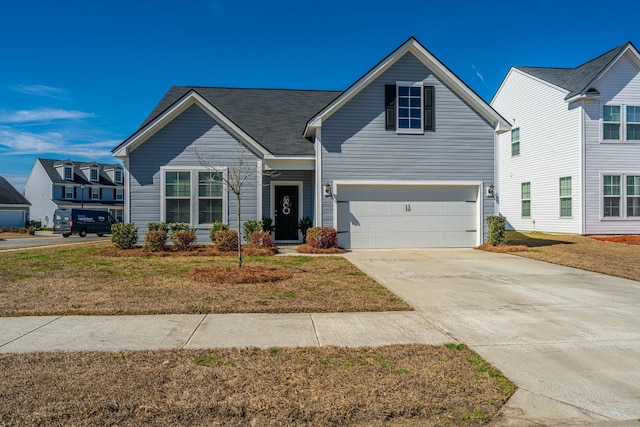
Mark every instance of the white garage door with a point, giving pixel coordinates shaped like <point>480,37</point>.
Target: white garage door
<point>12,218</point>
<point>395,216</point>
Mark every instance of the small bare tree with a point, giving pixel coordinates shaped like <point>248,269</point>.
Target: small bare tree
<point>241,176</point>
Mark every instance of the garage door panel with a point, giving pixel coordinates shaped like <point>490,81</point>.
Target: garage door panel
<point>437,216</point>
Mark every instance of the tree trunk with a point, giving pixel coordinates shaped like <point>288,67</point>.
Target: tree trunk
<point>239,235</point>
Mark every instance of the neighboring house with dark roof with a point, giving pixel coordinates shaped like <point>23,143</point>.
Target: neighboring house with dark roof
<point>14,207</point>
<point>404,157</point>
<point>572,160</point>
<point>64,184</point>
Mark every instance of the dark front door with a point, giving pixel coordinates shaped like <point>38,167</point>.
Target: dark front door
<point>286,212</point>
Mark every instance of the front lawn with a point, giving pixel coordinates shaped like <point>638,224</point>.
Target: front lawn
<point>414,385</point>
<point>91,280</point>
<point>586,253</point>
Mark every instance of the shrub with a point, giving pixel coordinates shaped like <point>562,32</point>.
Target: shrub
<point>250,227</point>
<point>184,240</point>
<point>217,226</point>
<point>226,240</point>
<point>123,235</point>
<point>178,226</point>
<point>261,239</point>
<point>497,230</point>
<point>267,224</point>
<point>303,225</point>
<point>322,237</point>
<point>154,240</point>
<point>158,226</point>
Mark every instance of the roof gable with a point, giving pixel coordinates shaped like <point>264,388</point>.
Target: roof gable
<point>578,81</point>
<point>9,195</point>
<point>270,121</point>
<point>430,61</point>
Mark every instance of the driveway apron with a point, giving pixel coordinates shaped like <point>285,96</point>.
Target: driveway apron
<point>569,339</point>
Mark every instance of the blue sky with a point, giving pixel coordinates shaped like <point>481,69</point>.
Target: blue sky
<point>78,77</point>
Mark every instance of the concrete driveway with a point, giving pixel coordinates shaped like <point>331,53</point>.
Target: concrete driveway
<point>569,339</point>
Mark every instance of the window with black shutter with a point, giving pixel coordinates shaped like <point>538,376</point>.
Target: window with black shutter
<point>409,107</point>
<point>429,108</point>
<point>390,107</point>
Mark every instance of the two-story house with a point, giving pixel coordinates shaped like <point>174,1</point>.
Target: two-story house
<point>571,162</point>
<point>65,184</point>
<point>404,157</point>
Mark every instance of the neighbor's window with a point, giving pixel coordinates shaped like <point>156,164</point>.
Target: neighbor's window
<point>118,176</point>
<point>410,107</point>
<point>633,196</point>
<point>611,195</point>
<point>68,192</point>
<point>119,194</point>
<point>178,196</point>
<point>565,197</point>
<point>611,119</point>
<point>95,193</point>
<point>68,173</point>
<point>525,196</point>
<point>94,175</point>
<point>515,142</point>
<point>209,197</point>
<point>633,123</point>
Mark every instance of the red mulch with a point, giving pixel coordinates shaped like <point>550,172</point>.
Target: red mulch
<point>629,240</point>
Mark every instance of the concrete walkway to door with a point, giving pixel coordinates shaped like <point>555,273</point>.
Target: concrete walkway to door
<point>569,339</point>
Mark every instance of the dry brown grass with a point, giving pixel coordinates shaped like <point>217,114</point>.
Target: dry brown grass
<point>306,249</point>
<point>615,259</point>
<point>393,385</point>
<point>237,275</point>
<point>503,249</point>
<point>89,279</point>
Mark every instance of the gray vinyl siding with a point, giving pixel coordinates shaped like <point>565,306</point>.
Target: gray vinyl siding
<point>306,177</point>
<point>356,146</point>
<point>174,146</point>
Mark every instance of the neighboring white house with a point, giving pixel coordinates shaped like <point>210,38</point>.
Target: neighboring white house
<point>14,208</point>
<point>65,184</point>
<point>571,162</point>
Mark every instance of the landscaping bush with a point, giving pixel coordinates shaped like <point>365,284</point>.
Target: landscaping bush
<point>123,235</point>
<point>303,225</point>
<point>217,226</point>
<point>250,227</point>
<point>158,226</point>
<point>497,230</point>
<point>261,239</point>
<point>322,237</point>
<point>267,224</point>
<point>184,240</point>
<point>154,240</point>
<point>226,240</point>
<point>178,226</point>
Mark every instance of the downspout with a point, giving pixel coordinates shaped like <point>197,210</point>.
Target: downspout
<point>259,190</point>
<point>127,189</point>
<point>583,181</point>
<point>317,220</point>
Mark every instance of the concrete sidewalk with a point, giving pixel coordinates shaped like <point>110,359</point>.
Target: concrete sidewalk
<point>162,332</point>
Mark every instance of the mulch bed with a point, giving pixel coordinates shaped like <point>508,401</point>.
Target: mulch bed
<point>306,249</point>
<point>198,250</point>
<point>235,274</point>
<point>629,240</point>
<point>503,249</point>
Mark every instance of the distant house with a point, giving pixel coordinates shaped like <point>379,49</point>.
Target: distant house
<point>571,163</point>
<point>14,207</point>
<point>402,158</point>
<point>63,184</point>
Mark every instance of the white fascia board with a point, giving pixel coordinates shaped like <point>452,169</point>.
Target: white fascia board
<point>290,163</point>
<point>179,107</point>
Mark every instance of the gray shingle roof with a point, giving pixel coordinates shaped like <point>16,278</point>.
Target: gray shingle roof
<point>9,195</point>
<point>275,118</point>
<point>78,178</point>
<point>575,80</point>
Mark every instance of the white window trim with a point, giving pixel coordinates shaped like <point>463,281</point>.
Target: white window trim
<point>622,123</point>
<point>91,194</point>
<point>115,176</point>
<point>399,130</point>
<point>512,142</point>
<point>97,172</point>
<point>193,206</point>
<point>119,192</point>
<point>561,197</point>
<point>523,200</point>
<point>623,197</point>
<point>64,173</point>
<point>64,192</point>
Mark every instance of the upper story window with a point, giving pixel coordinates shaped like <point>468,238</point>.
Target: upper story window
<point>611,122</point>
<point>409,107</point>
<point>633,123</point>
<point>93,175</point>
<point>118,176</point>
<point>525,197</point>
<point>515,142</point>
<point>68,173</point>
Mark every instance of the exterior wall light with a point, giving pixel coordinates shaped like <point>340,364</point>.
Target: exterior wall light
<point>327,190</point>
<point>490,190</point>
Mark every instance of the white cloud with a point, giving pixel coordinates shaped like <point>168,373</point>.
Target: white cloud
<point>480,76</point>
<point>52,143</point>
<point>41,115</point>
<point>41,90</point>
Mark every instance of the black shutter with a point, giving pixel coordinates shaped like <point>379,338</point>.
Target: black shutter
<point>389,107</point>
<point>429,107</point>
<point>114,193</point>
<point>99,193</point>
